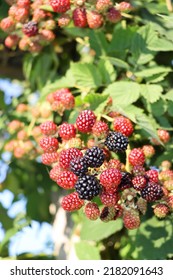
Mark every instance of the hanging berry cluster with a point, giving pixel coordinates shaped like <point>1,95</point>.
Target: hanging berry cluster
<point>31,25</point>
<point>92,159</point>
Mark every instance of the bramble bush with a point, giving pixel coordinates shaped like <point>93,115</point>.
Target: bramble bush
<point>91,132</point>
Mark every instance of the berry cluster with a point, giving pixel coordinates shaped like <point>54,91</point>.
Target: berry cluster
<point>24,133</point>
<point>31,25</point>
<point>92,158</point>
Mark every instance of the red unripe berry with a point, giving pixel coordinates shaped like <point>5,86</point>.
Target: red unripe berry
<point>100,129</point>
<point>161,210</point>
<point>72,202</point>
<point>103,5</point>
<point>109,199</point>
<point>11,41</point>
<point>60,6</point>
<point>139,182</point>
<point>131,219</point>
<point>67,131</point>
<point>136,157</point>
<point>94,19</point>
<point>67,155</point>
<point>153,175</point>
<point>67,179</point>
<point>49,158</point>
<point>92,211</point>
<point>85,121</point>
<point>64,20</point>
<point>55,172</point>
<point>49,144</point>
<point>163,135</point>
<point>114,163</point>
<point>123,125</point>
<point>7,24</point>
<point>48,128</point>
<point>148,150</point>
<point>79,17</point>
<point>110,179</point>
<point>113,15</point>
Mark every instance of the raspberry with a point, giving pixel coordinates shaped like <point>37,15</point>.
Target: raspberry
<point>100,129</point>
<point>67,179</point>
<point>142,205</point>
<point>138,170</point>
<point>87,187</point>
<point>139,182</point>
<point>153,175</point>
<point>94,19</point>
<point>109,199</point>
<point>85,121</point>
<point>110,179</point>
<point>64,20</point>
<point>11,41</point>
<point>161,210</point>
<point>169,185</point>
<point>67,155</point>
<point>60,6</point>
<point>131,219</point>
<point>94,157</point>
<point>166,175</point>
<point>67,131</point>
<point>72,202</point>
<point>30,28</point>
<point>170,201</point>
<point>55,172</point>
<point>79,17</point>
<point>108,213</point>
<point>49,144</point>
<point>103,5</point>
<point>152,192</point>
<point>148,151</point>
<point>163,135</point>
<point>126,181</point>
<point>92,211</point>
<point>114,163</point>
<point>49,158</point>
<point>48,128</point>
<point>113,15</point>
<point>78,166</point>
<point>116,142</point>
<point>136,157</point>
<point>7,24</point>
<point>123,125</point>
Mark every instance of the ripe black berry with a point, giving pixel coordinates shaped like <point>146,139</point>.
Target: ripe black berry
<point>116,142</point>
<point>78,166</point>
<point>94,157</point>
<point>152,192</point>
<point>87,187</point>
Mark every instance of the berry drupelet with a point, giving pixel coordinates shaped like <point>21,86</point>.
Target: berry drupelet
<point>79,166</point>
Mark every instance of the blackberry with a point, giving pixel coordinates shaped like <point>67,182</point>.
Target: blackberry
<point>78,166</point>
<point>116,142</point>
<point>126,181</point>
<point>94,157</point>
<point>87,187</point>
<point>152,192</point>
<point>30,28</point>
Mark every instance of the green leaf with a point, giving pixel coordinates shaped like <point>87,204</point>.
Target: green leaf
<point>6,221</point>
<point>107,71</point>
<point>170,108</point>
<point>123,93</point>
<point>86,251</point>
<point>161,44</point>
<point>99,230</point>
<point>158,108</point>
<point>139,47</point>
<point>118,62</point>
<point>151,93</point>
<point>96,101</point>
<point>146,123</point>
<point>47,8</point>
<point>149,72</point>
<point>169,95</point>
<point>86,76</point>
<point>98,42</point>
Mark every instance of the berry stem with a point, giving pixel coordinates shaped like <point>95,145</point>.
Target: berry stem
<point>128,166</point>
